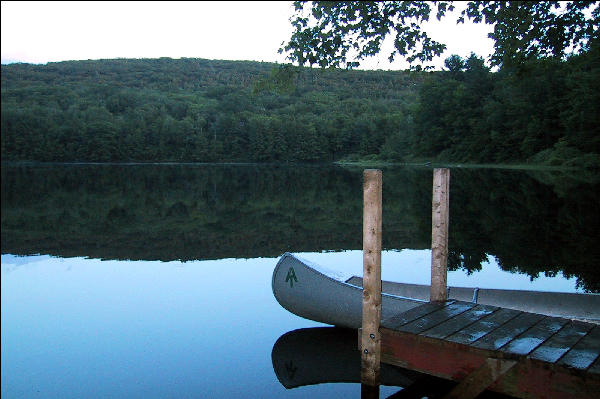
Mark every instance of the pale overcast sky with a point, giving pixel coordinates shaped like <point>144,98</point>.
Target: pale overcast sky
<point>41,32</point>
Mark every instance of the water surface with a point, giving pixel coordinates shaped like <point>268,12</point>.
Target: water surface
<point>154,280</point>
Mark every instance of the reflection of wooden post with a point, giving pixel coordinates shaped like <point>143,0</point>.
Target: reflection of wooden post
<point>439,234</point>
<point>371,315</point>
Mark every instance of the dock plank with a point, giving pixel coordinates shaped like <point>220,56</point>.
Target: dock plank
<point>535,336</point>
<point>507,332</point>
<point>439,316</point>
<point>555,347</point>
<point>459,322</point>
<point>401,319</point>
<point>483,327</point>
<point>583,354</point>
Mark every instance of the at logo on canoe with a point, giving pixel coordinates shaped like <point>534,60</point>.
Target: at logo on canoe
<point>291,277</point>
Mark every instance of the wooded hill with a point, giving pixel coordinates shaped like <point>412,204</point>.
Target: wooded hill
<point>195,110</point>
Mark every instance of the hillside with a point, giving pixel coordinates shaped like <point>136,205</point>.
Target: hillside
<point>195,110</point>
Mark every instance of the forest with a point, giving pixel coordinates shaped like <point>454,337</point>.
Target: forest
<point>542,112</point>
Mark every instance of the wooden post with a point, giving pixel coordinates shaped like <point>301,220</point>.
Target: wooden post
<point>439,234</point>
<point>371,312</point>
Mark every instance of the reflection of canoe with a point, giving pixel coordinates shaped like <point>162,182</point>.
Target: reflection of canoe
<point>310,291</point>
<point>318,355</point>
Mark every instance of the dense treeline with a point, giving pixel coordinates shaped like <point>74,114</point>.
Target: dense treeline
<point>532,223</point>
<point>195,110</point>
<point>544,111</point>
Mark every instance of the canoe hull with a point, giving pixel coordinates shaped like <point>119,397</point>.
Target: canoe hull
<point>311,292</point>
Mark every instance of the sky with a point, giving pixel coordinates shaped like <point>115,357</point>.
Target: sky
<point>41,32</point>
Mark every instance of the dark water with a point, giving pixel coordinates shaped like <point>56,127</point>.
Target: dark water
<point>154,280</point>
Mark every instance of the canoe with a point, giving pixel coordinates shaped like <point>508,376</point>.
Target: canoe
<point>313,292</point>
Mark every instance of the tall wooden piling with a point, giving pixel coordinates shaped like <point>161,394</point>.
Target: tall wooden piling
<point>439,234</point>
<point>371,312</point>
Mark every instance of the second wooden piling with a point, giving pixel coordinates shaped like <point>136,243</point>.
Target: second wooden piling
<point>371,316</point>
<point>440,212</point>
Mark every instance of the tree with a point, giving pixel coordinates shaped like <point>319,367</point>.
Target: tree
<point>531,29</point>
<point>332,33</point>
<point>454,63</point>
<point>343,33</point>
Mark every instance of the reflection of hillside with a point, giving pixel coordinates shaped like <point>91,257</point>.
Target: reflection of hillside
<point>166,212</point>
<point>178,212</point>
<point>524,224</point>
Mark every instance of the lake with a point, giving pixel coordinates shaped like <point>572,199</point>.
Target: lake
<point>154,281</point>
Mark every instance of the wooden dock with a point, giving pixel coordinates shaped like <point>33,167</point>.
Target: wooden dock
<point>520,354</point>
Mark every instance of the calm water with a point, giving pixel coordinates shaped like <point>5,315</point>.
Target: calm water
<point>154,281</point>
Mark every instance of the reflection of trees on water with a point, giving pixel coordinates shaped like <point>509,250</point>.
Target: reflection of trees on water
<point>532,223</point>
<point>525,224</point>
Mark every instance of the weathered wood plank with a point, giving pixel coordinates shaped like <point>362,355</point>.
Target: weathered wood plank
<point>433,319</point>
<point>371,304</point>
<point>459,322</point>
<point>559,344</point>
<point>369,391</point>
<point>507,332</point>
<point>429,355</point>
<point>477,382</point>
<point>534,380</point>
<point>483,327</point>
<point>401,319</point>
<point>535,336</point>
<point>440,214</point>
<point>527,379</point>
<point>583,354</point>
